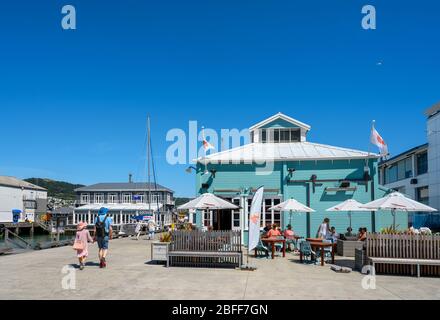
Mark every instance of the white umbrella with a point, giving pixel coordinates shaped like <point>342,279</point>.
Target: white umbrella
<point>208,201</point>
<point>398,202</point>
<point>349,206</point>
<point>291,206</point>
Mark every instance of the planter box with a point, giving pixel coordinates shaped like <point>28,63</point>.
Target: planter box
<point>159,251</point>
<point>361,259</point>
<point>348,248</point>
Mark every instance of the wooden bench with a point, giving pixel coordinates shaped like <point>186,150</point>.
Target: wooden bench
<point>397,261</point>
<point>205,249</point>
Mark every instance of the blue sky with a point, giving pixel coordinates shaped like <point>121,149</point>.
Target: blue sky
<point>73,103</point>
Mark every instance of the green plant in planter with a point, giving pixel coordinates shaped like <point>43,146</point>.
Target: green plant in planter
<point>390,230</point>
<point>166,237</point>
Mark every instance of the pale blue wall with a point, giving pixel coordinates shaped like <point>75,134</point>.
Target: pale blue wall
<point>244,176</point>
<point>279,123</point>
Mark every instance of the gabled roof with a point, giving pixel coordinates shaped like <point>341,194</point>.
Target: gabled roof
<point>123,187</point>
<point>433,110</point>
<point>282,116</point>
<point>294,151</point>
<point>17,183</point>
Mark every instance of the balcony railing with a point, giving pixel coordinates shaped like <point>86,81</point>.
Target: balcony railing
<point>82,203</point>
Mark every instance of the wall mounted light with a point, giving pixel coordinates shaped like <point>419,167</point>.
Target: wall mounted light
<point>190,168</point>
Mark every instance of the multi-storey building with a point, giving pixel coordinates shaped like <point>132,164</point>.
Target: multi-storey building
<point>124,201</point>
<point>281,159</point>
<point>416,173</point>
<point>22,196</point>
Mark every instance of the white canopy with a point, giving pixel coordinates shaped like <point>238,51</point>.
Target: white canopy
<point>349,206</point>
<point>208,201</point>
<point>292,205</point>
<point>398,202</point>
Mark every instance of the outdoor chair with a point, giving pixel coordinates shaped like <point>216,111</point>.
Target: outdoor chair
<point>262,249</point>
<point>307,252</point>
<point>327,252</point>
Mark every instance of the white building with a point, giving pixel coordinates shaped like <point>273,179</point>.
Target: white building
<point>20,195</point>
<point>416,172</point>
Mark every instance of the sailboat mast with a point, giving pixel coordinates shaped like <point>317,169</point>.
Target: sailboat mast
<point>148,161</point>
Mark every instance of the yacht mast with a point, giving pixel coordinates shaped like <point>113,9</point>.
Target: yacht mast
<point>148,160</point>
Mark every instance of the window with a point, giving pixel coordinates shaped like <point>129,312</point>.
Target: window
<point>112,198</point>
<point>126,197</point>
<point>252,137</point>
<point>85,198</point>
<point>422,163</point>
<point>280,135</point>
<point>236,214</point>
<point>138,198</point>
<point>264,136</point>
<point>399,171</point>
<point>99,198</point>
<point>423,195</point>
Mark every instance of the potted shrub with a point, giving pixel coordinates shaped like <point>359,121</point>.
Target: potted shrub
<point>159,250</point>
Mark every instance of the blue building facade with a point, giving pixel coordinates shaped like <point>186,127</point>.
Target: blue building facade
<point>281,159</point>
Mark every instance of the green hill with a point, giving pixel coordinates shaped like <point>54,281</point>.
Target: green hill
<point>57,189</point>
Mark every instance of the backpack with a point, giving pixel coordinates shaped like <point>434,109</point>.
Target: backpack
<point>100,228</point>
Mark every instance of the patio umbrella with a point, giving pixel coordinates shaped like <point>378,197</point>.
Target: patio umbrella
<point>397,202</point>
<point>208,201</point>
<point>291,206</point>
<point>349,206</point>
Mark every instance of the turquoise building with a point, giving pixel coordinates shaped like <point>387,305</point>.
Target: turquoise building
<point>281,159</point>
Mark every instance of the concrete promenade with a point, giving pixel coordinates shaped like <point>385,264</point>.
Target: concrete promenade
<point>38,275</point>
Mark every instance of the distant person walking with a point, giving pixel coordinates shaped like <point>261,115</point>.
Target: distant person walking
<point>103,234</point>
<point>151,229</point>
<point>81,245</point>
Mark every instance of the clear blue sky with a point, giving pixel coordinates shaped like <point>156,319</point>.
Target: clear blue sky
<point>73,103</point>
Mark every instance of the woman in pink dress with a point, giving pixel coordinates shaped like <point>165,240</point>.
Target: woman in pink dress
<point>83,236</point>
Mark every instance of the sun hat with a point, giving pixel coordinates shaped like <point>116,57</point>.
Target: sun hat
<point>81,226</point>
<point>103,211</point>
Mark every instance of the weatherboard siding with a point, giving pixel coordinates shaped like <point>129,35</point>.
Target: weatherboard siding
<point>241,176</point>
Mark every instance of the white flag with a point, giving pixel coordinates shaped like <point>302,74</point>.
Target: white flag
<point>378,141</point>
<point>206,145</point>
<point>255,219</point>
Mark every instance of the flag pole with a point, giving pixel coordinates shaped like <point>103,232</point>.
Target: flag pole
<point>204,139</point>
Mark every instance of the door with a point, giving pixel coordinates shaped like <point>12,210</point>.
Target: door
<point>222,220</point>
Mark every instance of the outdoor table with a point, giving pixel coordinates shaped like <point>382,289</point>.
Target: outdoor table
<point>272,242</point>
<point>319,244</point>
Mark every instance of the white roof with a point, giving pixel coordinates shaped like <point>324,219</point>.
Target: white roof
<point>283,117</point>
<point>292,205</point>
<point>208,201</point>
<point>119,207</point>
<point>397,201</point>
<point>294,151</point>
<point>350,205</point>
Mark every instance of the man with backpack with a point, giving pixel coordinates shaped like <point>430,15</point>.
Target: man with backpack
<point>103,234</point>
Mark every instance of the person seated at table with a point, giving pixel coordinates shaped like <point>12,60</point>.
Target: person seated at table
<point>274,232</point>
<point>334,236</point>
<point>268,227</point>
<point>289,234</point>
<point>349,232</point>
<point>363,234</point>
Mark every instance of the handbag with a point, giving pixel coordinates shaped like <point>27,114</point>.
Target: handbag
<point>78,245</point>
